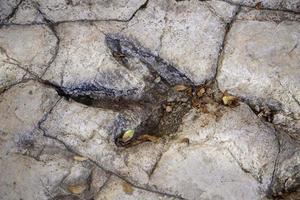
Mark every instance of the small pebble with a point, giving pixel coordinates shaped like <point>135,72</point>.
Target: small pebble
<point>169,109</point>
<point>157,80</point>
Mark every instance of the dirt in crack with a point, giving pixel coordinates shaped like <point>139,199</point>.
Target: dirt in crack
<point>156,110</point>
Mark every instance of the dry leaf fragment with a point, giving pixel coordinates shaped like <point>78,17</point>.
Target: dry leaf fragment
<point>200,92</point>
<point>229,100</point>
<point>180,88</point>
<point>127,135</point>
<point>80,158</point>
<point>127,188</point>
<point>168,108</point>
<point>77,189</point>
<point>146,138</point>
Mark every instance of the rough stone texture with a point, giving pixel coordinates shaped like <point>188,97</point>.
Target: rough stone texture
<point>7,7</point>
<point>222,9</point>
<point>189,23</point>
<point>293,5</point>
<point>208,173</point>
<point>42,167</point>
<point>16,103</point>
<point>30,47</point>
<point>25,180</point>
<point>21,100</point>
<point>83,135</point>
<point>147,26</point>
<point>36,11</point>
<point>84,61</point>
<point>220,161</point>
<point>238,130</point>
<point>198,35</point>
<point>114,190</point>
<point>45,169</point>
<point>10,73</point>
<point>266,15</point>
<point>75,75</point>
<point>60,10</point>
<point>27,13</point>
<point>261,62</point>
<point>286,174</point>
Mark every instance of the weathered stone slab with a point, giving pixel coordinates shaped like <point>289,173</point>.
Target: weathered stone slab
<point>222,9</point>
<point>90,132</point>
<point>85,65</point>
<point>231,157</point>
<point>31,47</point>
<point>192,39</point>
<point>286,175</point>
<point>7,7</point>
<point>18,104</point>
<point>60,10</point>
<point>10,73</point>
<point>203,172</point>
<point>261,63</point>
<point>31,165</point>
<point>292,5</point>
<point>147,26</point>
<point>36,167</point>
<point>178,32</point>
<point>27,13</point>
<point>117,189</point>
<point>266,15</point>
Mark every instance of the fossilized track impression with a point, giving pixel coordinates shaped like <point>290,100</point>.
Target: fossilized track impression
<point>147,105</point>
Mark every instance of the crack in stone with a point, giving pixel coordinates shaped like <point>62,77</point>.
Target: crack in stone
<point>166,148</point>
<point>47,192</point>
<point>11,14</point>
<point>142,7</point>
<point>222,47</point>
<point>94,162</point>
<point>48,21</point>
<point>108,171</point>
<point>16,63</point>
<point>270,192</point>
<point>133,16</point>
<point>52,27</point>
<point>91,160</point>
<point>169,73</point>
<point>246,171</point>
<point>56,50</point>
<point>104,184</point>
<point>214,12</point>
<point>247,6</point>
<point>28,71</point>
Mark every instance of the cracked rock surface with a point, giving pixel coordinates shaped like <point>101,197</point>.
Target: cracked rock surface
<point>288,5</point>
<point>257,71</point>
<point>149,99</point>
